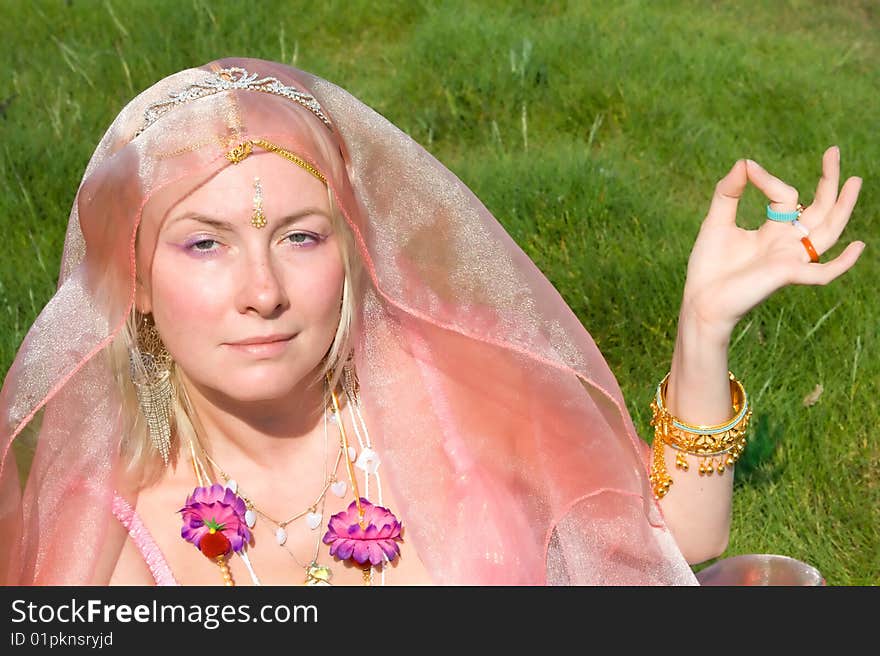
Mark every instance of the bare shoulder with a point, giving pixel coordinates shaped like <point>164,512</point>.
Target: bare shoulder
<point>130,568</point>
<point>123,562</point>
<point>120,561</point>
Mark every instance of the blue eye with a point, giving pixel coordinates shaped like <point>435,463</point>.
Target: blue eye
<point>202,245</point>
<point>294,238</point>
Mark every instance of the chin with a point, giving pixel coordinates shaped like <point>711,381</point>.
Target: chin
<point>266,384</point>
<point>258,394</point>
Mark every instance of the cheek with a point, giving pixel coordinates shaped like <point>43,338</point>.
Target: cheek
<point>188,302</point>
<point>314,292</point>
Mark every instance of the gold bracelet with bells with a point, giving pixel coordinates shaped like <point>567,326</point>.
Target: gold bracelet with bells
<point>717,447</point>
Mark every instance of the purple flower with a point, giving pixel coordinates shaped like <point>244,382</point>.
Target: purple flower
<point>372,540</point>
<point>212,510</point>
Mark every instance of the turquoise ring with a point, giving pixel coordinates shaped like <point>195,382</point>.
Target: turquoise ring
<point>785,217</point>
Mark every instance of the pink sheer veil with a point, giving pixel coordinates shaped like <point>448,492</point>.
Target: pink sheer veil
<point>501,428</point>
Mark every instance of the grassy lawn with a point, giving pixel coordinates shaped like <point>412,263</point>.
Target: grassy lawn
<point>595,132</point>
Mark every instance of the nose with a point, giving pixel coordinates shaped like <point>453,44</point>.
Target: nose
<point>262,288</point>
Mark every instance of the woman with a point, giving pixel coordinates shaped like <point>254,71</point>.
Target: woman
<point>290,346</point>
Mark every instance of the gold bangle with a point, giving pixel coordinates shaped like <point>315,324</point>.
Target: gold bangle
<point>718,446</point>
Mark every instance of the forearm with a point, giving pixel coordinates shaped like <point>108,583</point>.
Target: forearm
<point>697,507</point>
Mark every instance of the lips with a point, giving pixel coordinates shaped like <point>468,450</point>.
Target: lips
<point>263,346</point>
<point>263,339</point>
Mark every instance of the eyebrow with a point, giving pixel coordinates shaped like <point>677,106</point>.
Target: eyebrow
<point>226,225</point>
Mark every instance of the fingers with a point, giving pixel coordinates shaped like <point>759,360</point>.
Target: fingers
<point>822,274</point>
<point>826,190</point>
<point>839,215</point>
<point>826,234</point>
<point>727,194</point>
<point>782,197</point>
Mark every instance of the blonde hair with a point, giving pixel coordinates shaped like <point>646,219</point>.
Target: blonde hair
<point>141,460</point>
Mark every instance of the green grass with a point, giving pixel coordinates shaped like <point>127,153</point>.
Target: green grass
<point>595,132</point>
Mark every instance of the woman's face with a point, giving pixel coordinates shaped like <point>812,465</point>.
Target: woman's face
<point>216,282</point>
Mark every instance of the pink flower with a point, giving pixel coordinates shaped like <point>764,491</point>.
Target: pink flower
<point>373,541</point>
<point>214,510</point>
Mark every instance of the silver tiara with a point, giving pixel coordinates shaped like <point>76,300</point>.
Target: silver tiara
<point>227,79</point>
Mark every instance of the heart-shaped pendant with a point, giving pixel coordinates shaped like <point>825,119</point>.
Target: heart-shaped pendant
<point>313,520</point>
<point>281,536</point>
<point>250,518</point>
<point>339,488</point>
<point>368,460</point>
<point>318,575</point>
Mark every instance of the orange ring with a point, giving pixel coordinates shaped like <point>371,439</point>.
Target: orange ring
<point>814,256</point>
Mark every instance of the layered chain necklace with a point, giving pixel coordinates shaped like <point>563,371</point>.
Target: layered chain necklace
<point>316,574</point>
<point>218,518</point>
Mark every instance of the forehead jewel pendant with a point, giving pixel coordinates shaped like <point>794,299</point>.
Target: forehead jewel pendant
<point>258,220</point>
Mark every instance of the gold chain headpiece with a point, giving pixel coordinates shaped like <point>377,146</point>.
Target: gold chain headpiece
<point>245,148</point>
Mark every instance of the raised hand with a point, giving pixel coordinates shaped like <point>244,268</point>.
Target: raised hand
<point>731,270</point>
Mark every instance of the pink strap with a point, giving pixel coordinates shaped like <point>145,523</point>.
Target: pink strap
<point>144,541</point>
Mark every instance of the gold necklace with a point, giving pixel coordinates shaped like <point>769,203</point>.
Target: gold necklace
<point>316,574</point>
<point>281,535</point>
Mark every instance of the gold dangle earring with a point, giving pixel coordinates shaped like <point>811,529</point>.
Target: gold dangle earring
<point>350,383</point>
<point>150,368</point>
